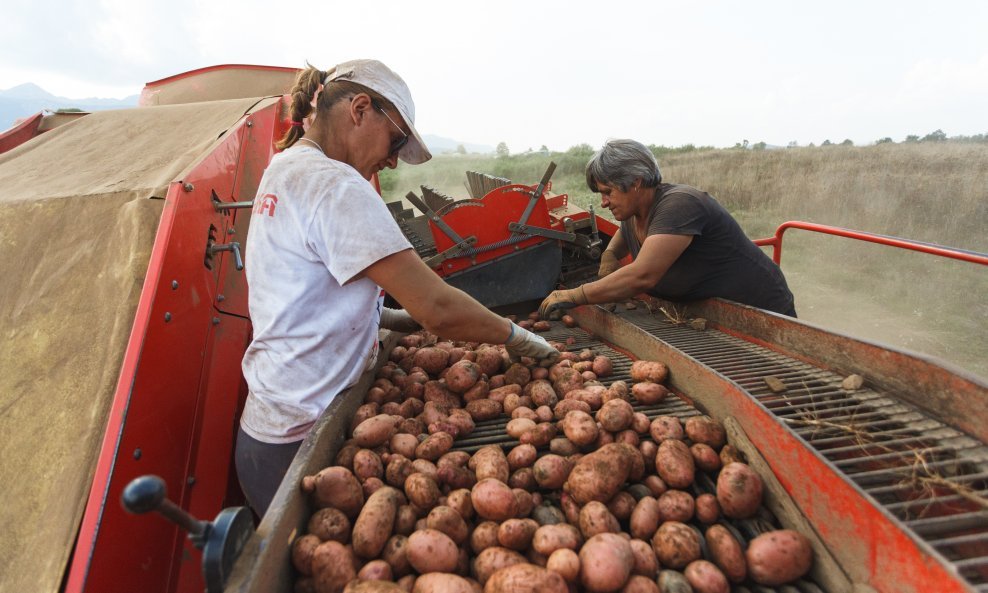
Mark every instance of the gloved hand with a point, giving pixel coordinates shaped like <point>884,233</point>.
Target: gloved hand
<point>608,264</point>
<point>398,320</point>
<point>522,342</point>
<point>562,299</point>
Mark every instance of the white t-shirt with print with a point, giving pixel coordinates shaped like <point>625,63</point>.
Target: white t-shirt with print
<point>316,225</point>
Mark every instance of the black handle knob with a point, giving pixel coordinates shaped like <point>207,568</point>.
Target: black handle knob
<point>143,494</point>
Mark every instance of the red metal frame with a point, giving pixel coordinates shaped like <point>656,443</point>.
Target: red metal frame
<point>180,388</point>
<point>776,242</point>
<point>20,132</point>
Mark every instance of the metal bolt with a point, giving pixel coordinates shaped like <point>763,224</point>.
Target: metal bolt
<point>216,320</point>
<point>137,453</point>
<point>188,187</point>
<point>250,124</point>
<point>190,480</point>
<point>174,284</point>
<point>220,298</point>
<point>168,316</point>
<point>231,231</point>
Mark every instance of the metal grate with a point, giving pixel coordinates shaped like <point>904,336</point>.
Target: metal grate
<point>931,477</point>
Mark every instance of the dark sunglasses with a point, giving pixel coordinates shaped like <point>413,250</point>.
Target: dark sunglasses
<point>400,143</point>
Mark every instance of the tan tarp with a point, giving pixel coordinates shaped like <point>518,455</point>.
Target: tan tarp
<point>76,232</point>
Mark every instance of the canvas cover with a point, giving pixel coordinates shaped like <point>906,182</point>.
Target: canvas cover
<point>78,220</point>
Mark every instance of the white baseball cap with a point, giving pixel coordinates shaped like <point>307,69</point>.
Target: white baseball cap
<point>384,81</point>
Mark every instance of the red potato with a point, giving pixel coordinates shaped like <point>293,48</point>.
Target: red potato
<point>434,446</point>
<point>461,419</point>
<point>459,500</point>
<point>493,500</point>
<point>525,578</point>
<point>404,445</point>
<point>432,551</point>
<point>566,406</point>
<point>521,455</point>
<point>375,570</point>
<point>483,536</point>
<point>599,475</point>
<point>705,577</point>
<point>739,491</point>
<point>639,584</point>
<point>602,366</point>
<point>332,567</point>
<point>596,518</point>
<point>645,518</point>
<point>462,376</point>
<point>648,450</point>
<point>516,534</point>
<point>539,435</point>
<point>440,582</point>
<point>705,457</point>
<point>432,360</point>
<point>645,370</point>
<point>622,505</point>
<point>525,412</point>
<point>335,487</point>
<point>484,409</point>
<point>730,454</point>
<point>490,462</point>
<point>646,564</point>
<point>615,415</point>
<point>569,379</point>
<point>706,430</point>
<point>480,390</point>
<point>542,393</point>
<point>676,544</point>
<point>778,557</point>
<point>640,423</point>
<point>517,374</point>
<point>649,393</point>
<point>448,521</point>
<point>395,553</point>
<point>302,550</point>
<point>493,559</point>
<point>541,326</point>
<point>523,478</point>
<point>580,428</point>
<point>370,586</point>
<point>330,524</point>
<point>405,520</point>
<point>707,509</point>
<point>549,538</point>
<point>424,466</point>
<point>490,361</point>
<point>562,446</point>
<point>525,502</point>
<point>566,563</point>
<point>516,427</point>
<point>606,561</point>
<point>664,428</point>
<point>551,471</point>
<point>568,321</point>
<point>676,505</point>
<point>371,485</point>
<point>373,526</point>
<point>726,553</point>
<point>674,464</point>
<point>498,394</point>
<point>374,431</point>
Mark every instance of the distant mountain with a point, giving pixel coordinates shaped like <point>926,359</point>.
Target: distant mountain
<point>27,99</point>
<point>439,145</point>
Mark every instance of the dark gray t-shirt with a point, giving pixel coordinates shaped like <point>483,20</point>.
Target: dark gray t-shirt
<point>720,261</point>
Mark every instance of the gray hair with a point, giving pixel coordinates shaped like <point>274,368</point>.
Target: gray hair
<point>622,162</point>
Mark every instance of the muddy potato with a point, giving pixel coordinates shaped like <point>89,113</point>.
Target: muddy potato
<point>422,491</point>
<point>551,471</point>
<point>456,477</point>
<point>615,415</point>
<point>429,550</point>
<point>568,405</point>
<point>373,526</point>
<point>674,464</point>
<point>480,390</point>
<point>523,478</point>
<point>332,566</point>
<point>516,534</point>
<point>525,578</point>
<point>375,570</point>
<point>483,536</point>
<point>599,475</point>
<point>395,554</point>
<point>676,505</point>
<point>730,454</point>
<point>705,457</point>
<point>459,418</point>
<point>440,582</point>
<point>666,427</point>
<point>639,584</point>
<point>539,435</point>
<point>493,500</point>
<point>405,519</point>
<point>648,450</point>
<point>568,380</point>
<point>676,544</point>
<point>627,436</point>
<point>424,466</point>
<point>463,375</point>
<point>562,446</point>
<point>580,428</point>
<point>640,423</point>
<point>432,360</point>
<point>448,521</point>
<point>566,563</point>
<point>739,491</point>
<point>707,509</point>
<point>606,561</point>
<point>498,394</point>
<point>525,502</point>
<point>706,430</point>
<point>645,518</point>
<point>490,462</point>
<point>645,370</point>
<point>602,366</point>
<point>596,518</point>
<point>778,557</point>
<point>547,514</point>
<point>518,426</point>
<point>646,564</point>
<point>484,409</point>
<point>542,393</point>
<point>649,393</point>
<point>493,559</point>
<point>622,505</point>
<point>459,500</point>
<point>403,444</point>
<point>549,538</point>
<point>517,374</point>
<point>705,577</point>
<point>330,524</point>
<point>434,446</point>
<point>524,412</point>
<point>335,487</point>
<point>302,550</point>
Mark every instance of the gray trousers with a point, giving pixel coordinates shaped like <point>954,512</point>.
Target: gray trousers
<point>261,467</point>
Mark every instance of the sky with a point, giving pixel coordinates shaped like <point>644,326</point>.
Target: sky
<point>557,73</point>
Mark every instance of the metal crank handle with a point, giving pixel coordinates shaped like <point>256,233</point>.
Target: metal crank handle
<point>235,248</point>
<point>148,493</point>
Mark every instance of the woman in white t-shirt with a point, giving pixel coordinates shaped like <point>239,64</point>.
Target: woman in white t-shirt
<point>321,251</point>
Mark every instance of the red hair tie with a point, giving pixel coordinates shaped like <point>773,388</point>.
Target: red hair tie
<point>296,124</point>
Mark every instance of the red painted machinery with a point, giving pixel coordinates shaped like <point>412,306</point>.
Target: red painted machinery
<point>124,331</point>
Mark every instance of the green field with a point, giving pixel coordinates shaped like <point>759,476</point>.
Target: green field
<point>934,192</point>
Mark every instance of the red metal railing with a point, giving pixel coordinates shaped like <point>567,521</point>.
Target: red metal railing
<point>776,242</point>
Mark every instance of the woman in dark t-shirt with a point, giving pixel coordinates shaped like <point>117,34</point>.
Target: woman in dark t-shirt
<point>685,246</point>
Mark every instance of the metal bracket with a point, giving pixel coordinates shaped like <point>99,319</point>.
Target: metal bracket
<point>541,232</point>
<point>445,228</point>
<point>465,246</point>
<point>539,190</point>
<point>224,207</point>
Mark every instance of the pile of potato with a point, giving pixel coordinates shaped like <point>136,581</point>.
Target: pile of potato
<point>594,498</point>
